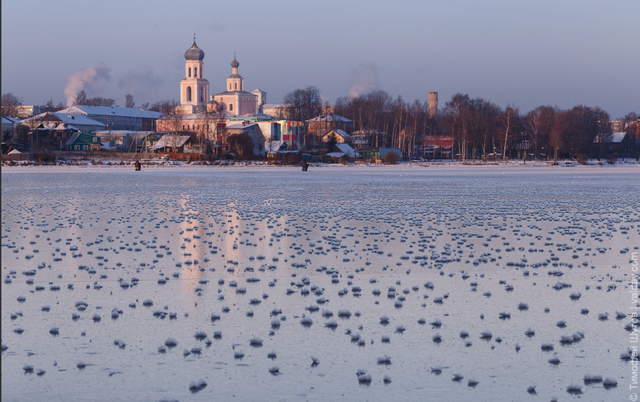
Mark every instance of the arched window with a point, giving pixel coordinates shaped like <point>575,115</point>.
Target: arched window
<point>200,73</point>
<point>195,72</point>
<point>201,94</point>
<point>236,85</point>
<point>229,86</point>
<point>188,94</point>
<point>189,72</point>
<point>230,106</point>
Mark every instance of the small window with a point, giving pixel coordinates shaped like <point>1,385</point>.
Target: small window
<point>231,106</point>
<point>188,94</point>
<point>76,147</point>
<point>85,147</point>
<point>189,72</point>
<point>195,72</point>
<point>95,139</point>
<point>236,85</point>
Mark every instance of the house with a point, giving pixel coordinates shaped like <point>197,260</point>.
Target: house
<point>117,118</point>
<point>321,125</point>
<point>340,136</point>
<point>83,142</point>
<point>437,146</point>
<point>172,143</point>
<point>619,143</point>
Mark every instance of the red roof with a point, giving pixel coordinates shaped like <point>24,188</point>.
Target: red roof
<point>438,141</point>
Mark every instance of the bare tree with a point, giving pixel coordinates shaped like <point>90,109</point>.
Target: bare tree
<point>303,104</point>
<point>559,132</point>
<point>82,99</point>
<point>538,124</point>
<point>10,105</point>
<point>129,101</point>
<point>509,121</point>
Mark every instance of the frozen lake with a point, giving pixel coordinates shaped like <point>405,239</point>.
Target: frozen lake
<point>392,283</point>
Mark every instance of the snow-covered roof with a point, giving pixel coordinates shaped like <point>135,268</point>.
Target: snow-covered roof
<point>330,117</point>
<point>76,119</point>
<point>346,148</point>
<point>240,126</point>
<point>14,151</point>
<point>273,146</point>
<point>10,120</point>
<point>273,105</point>
<point>122,133</point>
<point>170,140</point>
<point>111,111</point>
<point>335,154</point>
<point>339,132</point>
<point>615,138</point>
<point>367,131</point>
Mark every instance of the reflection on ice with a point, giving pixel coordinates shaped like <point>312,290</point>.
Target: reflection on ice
<point>386,273</point>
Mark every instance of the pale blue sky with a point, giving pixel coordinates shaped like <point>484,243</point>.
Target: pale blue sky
<point>526,53</point>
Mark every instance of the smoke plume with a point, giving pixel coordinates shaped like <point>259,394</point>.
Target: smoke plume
<point>91,79</point>
<point>366,80</point>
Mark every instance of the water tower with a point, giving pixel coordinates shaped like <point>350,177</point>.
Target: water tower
<point>433,104</point>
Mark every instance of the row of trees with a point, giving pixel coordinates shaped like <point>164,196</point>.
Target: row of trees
<point>478,126</point>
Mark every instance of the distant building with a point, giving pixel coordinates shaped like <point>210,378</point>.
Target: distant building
<point>117,118</point>
<point>25,111</point>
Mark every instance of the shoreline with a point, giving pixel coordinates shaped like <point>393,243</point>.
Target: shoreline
<point>155,165</point>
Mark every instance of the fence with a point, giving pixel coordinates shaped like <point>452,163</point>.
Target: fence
<point>17,157</point>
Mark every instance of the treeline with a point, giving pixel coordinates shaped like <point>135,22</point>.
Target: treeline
<point>478,126</point>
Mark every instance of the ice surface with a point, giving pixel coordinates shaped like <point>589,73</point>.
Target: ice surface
<point>495,255</point>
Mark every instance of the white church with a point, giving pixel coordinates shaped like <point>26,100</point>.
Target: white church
<point>234,100</point>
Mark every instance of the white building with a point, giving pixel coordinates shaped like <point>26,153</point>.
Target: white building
<point>235,100</point>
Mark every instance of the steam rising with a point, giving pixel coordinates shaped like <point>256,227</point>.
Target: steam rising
<point>91,79</point>
<point>366,80</point>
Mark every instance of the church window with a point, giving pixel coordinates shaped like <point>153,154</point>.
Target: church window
<point>236,85</point>
<point>188,94</point>
<point>189,72</point>
<point>201,94</point>
<point>195,72</point>
<point>231,106</point>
